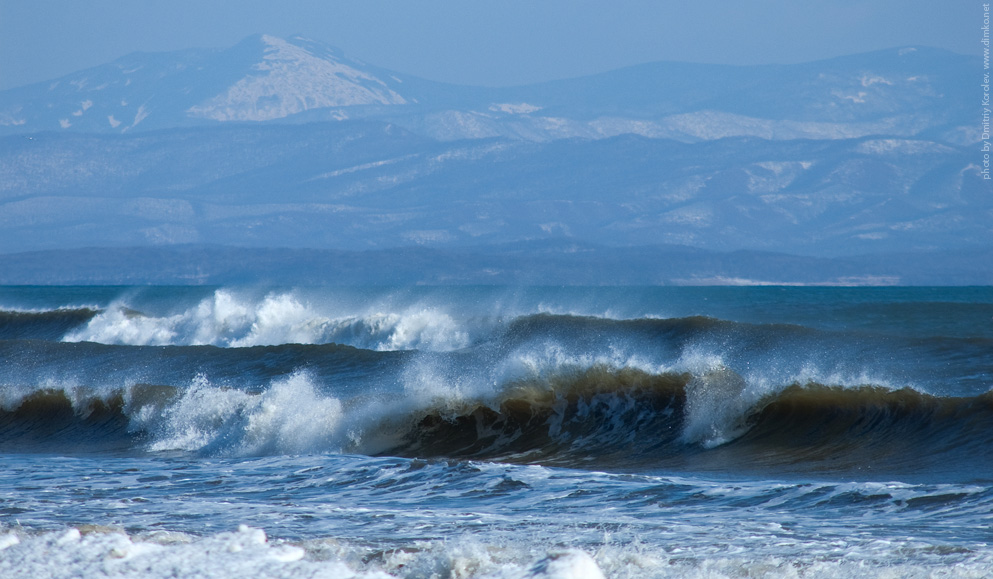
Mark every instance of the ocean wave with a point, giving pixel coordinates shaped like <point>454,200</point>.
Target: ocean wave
<point>766,355</point>
<point>625,419</point>
<point>630,420</point>
<point>17,324</point>
<point>228,319</point>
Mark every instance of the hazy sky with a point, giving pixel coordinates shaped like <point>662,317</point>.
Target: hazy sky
<point>481,42</point>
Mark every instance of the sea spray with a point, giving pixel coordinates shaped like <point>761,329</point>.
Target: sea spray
<point>289,417</point>
<point>231,320</point>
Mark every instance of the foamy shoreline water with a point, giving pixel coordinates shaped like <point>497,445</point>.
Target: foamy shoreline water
<point>248,552</point>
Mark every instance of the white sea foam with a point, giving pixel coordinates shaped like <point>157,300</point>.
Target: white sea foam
<point>230,320</point>
<point>289,417</point>
<point>244,553</point>
<point>37,310</point>
<point>248,552</point>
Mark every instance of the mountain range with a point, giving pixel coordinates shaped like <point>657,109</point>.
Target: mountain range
<point>286,143</point>
<point>912,91</point>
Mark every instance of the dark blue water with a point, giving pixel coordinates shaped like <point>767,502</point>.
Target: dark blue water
<point>496,432</point>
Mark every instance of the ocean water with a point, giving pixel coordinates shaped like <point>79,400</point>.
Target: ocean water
<point>496,432</point>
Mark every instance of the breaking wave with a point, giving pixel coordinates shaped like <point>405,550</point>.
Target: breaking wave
<point>600,417</point>
<point>228,320</point>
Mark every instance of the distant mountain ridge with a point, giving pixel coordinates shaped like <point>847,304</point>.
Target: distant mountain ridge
<point>911,91</point>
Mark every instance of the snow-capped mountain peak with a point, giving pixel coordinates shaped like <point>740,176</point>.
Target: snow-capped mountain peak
<point>291,79</point>
<point>260,79</point>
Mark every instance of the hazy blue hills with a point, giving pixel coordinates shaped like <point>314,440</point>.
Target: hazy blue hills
<point>361,185</point>
<point>288,144</point>
<point>903,92</point>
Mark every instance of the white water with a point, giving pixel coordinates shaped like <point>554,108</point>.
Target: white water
<point>230,320</point>
<point>247,552</point>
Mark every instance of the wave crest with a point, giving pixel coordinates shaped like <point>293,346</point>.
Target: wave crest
<point>625,419</point>
<point>229,320</point>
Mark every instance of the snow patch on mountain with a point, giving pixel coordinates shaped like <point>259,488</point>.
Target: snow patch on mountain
<point>290,80</point>
<point>709,125</point>
<point>514,108</point>
<point>83,107</point>
<point>356,168</point>
<point>706,125</point>
<point>901,147</point>
<point>857,98</point>
<point>773,176</point>
<point>869,80</point>
<point>139,116</point>
<point>11,119</point>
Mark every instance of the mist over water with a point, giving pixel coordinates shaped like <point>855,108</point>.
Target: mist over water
<point>499,431</point>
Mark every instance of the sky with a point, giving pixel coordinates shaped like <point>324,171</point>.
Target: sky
<point>480,42</point>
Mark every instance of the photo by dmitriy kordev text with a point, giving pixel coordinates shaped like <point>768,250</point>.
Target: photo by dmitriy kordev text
<point>986,92</point>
